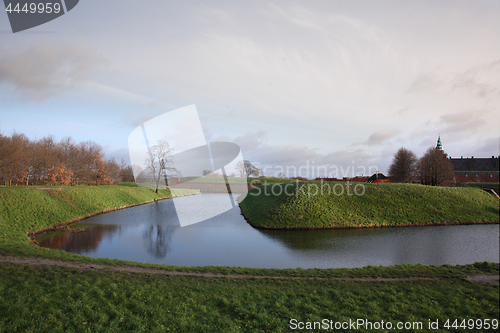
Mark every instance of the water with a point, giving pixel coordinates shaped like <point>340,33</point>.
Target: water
<point>152,233</point>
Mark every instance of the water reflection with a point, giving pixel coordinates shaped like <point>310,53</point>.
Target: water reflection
<point>152,233</point>
<point>82,242</point>
<point>158,239</point>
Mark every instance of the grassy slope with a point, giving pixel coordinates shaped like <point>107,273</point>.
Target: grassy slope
<point>24,209</point>
<point>382,204</point>
<point>61,299</point>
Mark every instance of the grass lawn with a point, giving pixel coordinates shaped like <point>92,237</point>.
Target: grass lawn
<point>29,208</point>
<point>305,206</point>
<point>62,299</point>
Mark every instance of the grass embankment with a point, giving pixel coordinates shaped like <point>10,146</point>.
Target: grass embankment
<point>59,299</point>
<point>24,209</point>
<point>62,299</point>
<point>305,206</point>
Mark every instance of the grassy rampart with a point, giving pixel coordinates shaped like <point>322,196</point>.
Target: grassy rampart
<point>342,205</point>
<point>61,299</point>
<point>25,209</point>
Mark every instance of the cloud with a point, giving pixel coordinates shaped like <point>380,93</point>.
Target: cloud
<point>45,69</point>
<point>248,142</point>
<point>381,136</point>
<point>402,111</point>
<point>487,146</point>
<point>301,160</point>
<point>425,82</point>
<point>463,121</point>
<point>137,118</point>
<point>455,126</point>
<point>482,81</point>
<point>118,154</point>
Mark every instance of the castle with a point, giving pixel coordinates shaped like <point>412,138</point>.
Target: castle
<point>484,170</point>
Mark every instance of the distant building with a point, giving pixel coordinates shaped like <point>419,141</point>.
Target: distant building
<point>483,170</point>
<point>378,178</point>
<point>439,145</point>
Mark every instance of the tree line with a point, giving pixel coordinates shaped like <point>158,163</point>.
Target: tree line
<point>45,161</point>
<point>433,168</point>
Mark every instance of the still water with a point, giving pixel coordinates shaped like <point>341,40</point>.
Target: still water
<point>152,233</point>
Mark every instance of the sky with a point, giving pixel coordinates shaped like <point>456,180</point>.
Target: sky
<point>335,86</point>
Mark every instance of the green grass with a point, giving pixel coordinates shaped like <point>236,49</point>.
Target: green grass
<point>58,299</point>
<point>380,205</point>
<point>61,299</point>
<point>30,208</point>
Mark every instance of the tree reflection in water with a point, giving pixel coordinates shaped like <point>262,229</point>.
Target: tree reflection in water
<point>158,239</point>
<point>82,242</point>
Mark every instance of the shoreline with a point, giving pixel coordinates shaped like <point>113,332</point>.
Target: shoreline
<point>363,226</point>
<point>65,225</point>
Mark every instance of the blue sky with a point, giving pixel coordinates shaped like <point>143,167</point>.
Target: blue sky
<point>337,83</point>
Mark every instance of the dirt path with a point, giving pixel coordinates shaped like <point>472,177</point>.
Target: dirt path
<point>492,278</point>
<point>489,278</point>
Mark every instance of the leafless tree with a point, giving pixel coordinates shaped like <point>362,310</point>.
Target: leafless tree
<point>435,169</point>
<point>403,168</point>
<point>7,155</point>
<point>19,164</point>
<point>44,155</point>
<point>246,169</point>
<point>126,173</point>
<point>160,162</point>
<point>113,169</point>
<point>67,154</point>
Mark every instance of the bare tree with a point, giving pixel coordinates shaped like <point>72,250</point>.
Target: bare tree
<point>246,169</point>
<point>20,163</point>
<point>403,168</point>
<point>160,162</point>
<point>44,156</point>
<point>68,154</point>
<point>126,173</point>
<point>435,169</point>
<point>113,170</point>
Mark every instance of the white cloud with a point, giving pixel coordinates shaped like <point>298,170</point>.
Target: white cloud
<point>381,136</point>
<point>45,68</point>
<point>314,79</point>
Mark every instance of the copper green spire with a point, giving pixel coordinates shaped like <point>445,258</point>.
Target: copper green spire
<point>439,144</point>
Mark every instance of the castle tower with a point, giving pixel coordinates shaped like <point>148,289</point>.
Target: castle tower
<point>439,144</point>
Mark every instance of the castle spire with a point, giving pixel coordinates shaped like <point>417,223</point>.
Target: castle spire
<point>439,144</point>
